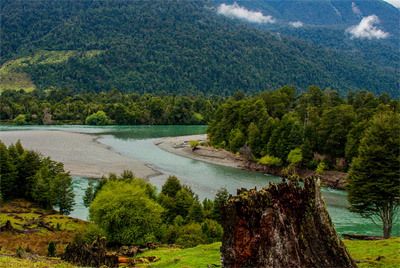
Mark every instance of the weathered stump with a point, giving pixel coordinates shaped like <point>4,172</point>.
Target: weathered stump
<point>284,225</point>
<point>94,255</point>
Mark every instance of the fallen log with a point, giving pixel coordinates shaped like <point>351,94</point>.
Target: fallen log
<point>361,237</point>
<point>9,228</point>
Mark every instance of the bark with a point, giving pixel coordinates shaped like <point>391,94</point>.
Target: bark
<point>94,255</point>
<point>284,225</point>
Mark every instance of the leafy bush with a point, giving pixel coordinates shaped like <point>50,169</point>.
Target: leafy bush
<point>295,157</point>
<point>19,120</point>
<point>194,144</point>
<point>98,119</point>
<point>126,212</point>
<point>270,161</point>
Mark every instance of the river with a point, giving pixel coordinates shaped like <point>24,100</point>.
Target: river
<point>204,178</point>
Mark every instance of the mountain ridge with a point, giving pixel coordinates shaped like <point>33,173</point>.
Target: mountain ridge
<point>171,46</point>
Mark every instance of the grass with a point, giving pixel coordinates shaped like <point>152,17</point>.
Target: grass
<point>11,262</point>
<point>12,75</point>
<point>380,253</point>
<point>200,256</point>
<point>19,212</point>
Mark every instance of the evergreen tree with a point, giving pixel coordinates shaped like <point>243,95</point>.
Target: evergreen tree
<point>8,174</point>
<point>373,182</point>
<point>64,195</point>
<point>171,187</point>
<point>196,212</point>
<point>221,197</point>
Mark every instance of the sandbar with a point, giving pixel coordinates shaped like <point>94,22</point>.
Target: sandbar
<point>180,146</point>
<point>81,154</point>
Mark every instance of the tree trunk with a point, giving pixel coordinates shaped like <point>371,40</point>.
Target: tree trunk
<point>284,225</point>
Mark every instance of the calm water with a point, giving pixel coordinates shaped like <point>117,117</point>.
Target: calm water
<point>204,178</point>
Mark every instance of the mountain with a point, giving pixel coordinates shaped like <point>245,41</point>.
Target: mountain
<point>179,46</point>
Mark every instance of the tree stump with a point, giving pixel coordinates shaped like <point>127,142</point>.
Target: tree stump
<point>284,225</point>
<point>94,255</point>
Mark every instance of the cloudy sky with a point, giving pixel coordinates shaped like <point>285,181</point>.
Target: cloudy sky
<point>396,3</point>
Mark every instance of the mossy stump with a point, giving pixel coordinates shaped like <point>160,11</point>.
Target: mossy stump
<point>284,225</point>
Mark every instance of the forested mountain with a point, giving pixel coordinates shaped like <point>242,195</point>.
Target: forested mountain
<point>165,46</point>
<point>375,23</point>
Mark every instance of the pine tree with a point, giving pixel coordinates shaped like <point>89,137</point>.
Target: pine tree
<point>8,174</point>
<point>373,182</point>
<point>64,193</point>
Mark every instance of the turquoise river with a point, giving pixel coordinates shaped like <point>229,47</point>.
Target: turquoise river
<point>204,178</point>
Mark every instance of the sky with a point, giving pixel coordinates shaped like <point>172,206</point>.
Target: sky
<point>396,3</point>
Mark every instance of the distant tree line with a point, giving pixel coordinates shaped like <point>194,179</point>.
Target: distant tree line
<point>314,128</point>
<point>27,174</point>
<point>112,107</point>
<point>129,210</point>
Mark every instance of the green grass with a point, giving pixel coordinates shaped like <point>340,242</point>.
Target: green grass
<point>381,253</point>
<point>365,251</point>
<point>13,77</point>
<point>199,256</point>
<point>11,262</point>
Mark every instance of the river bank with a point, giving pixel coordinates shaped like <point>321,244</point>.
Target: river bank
<point>81,154</point>
<point>180,146</point>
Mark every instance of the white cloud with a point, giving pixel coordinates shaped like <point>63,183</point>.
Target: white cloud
<point>395,3</point>
<point>366,29</point>
<point>239,12</point>
<point>296,24</point>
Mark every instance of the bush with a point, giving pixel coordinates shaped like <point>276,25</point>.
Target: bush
<point>51,249</point>
<point>97,119</point>
<point>194,144</point>
<point>19,120</point>
<point>295,157</point>
<point>270,161</point>
<point>126,213</point>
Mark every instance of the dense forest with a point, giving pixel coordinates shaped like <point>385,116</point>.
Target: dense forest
<point>183,47</point>
<point>27,174</point>
<point>315,129</point>
<point>105,108</point>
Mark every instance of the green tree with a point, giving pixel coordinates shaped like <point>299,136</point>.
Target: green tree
<point>64,193</point>
<point>19,120</point>
<point>98,119</point>
<point>51,249</point>
<point>171,187</point>
<point>126,213</point>
<point>220,198</point>
<point>8,174</point>
<point>373,182</point>
<point>196,212</point>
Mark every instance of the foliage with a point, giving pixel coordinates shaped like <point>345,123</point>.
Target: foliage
<point>99,119</point>
<point>51,249</point>
<point>320,168</point>
<point>373,182</point>
<point>26,174</point>
<point>194,143</point>
<point>295,157</point>
<point>65,107</point>
<point>274,123</point>
<point>19,120</point>
<point>270,161</point>
<point>126,212</point>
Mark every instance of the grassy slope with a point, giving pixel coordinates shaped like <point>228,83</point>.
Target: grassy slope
<point>19,212</point>
<point>365,251</point>
<point>12,75</point>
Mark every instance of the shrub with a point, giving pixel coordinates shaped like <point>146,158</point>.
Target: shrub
<point>270,161</point>
<point>98,119</point>
<point>51,249</point>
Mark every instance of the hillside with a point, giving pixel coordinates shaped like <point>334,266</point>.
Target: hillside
<point>165,46</point>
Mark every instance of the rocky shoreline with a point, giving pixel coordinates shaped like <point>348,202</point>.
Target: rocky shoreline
<point>180,146</point>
